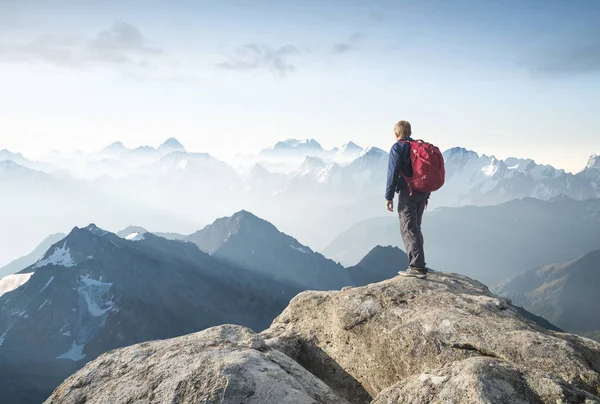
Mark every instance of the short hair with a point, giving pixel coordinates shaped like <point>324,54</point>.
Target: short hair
<point>403,130</point>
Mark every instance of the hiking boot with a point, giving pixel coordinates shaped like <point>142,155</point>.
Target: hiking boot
<point>414,273</point>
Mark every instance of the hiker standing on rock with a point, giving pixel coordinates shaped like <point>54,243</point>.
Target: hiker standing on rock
<point>415,169</point>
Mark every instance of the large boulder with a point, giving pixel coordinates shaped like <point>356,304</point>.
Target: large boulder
<point>483,380</point>
<point>225,364</point>
<point>361,341</point>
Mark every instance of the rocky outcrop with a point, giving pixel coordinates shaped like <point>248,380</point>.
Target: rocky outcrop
<point>445,339</point>
<point>361,341</point>
<point>483,380</point>
<point>225,364</point>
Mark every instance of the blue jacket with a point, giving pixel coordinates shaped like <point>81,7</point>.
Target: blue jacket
<point>399,162</point>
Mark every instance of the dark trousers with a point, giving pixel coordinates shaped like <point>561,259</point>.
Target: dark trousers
<point>410,210</point>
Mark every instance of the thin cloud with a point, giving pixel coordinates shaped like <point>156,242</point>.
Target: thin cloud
<point>121,44</point>
<point>347,46</point>
<point>262,57</point>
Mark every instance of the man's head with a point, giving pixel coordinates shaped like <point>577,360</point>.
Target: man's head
<point>402,130</point>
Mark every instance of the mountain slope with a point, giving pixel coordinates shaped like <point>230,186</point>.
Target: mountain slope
<point>489,243</point>
<point>565,294</point>
<point>29,259</point>
<point>94,291</point>
<point>379,264</point>
<point>250,242</point>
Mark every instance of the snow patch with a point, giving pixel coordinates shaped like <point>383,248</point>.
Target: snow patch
<point>115,244</point>
<point>47,283</point>
<point>301,249</point>
<point>60,257</point>
<point>75,353</point>
<point>42,305</point>
<point>3,336</point>
<point>93,292</point>
<point>11,282</point>
<point>135,236</point>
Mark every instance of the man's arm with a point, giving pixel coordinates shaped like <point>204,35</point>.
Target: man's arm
<point>393,173</point>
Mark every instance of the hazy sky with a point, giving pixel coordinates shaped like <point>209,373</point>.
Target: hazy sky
<point>503,77</point>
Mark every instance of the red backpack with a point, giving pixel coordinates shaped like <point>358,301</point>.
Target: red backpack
<point>428,167</point>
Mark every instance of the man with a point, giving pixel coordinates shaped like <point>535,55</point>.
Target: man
<point>411,203</point>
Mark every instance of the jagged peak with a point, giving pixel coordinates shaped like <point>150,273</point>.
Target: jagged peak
<point>297,143</point>
<point>171,144</point>
<point>92,228</point>
<point>373,151</point>
<point>312,162</point>
<point>351,146</point>
<point>594,161</point>
<point>455,152</point>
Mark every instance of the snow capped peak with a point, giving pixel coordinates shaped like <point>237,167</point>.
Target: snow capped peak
<point>171,145</point>
<point>302,143</point>
<point>135,236</point>
<point>295,144</point>
<point>460,153</point>
<point>373,152</point>
<point>348,152</point>
<point>351,146</point>
<point>594,161</point>
<point>496,167</point>
<point>131,229</point>
<point>92,228</point>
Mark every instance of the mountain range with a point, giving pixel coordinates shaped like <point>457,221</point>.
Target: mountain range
<point>174,190</point>
<point>488,243</point>
<point>94,291</point>
<point>566,294</point>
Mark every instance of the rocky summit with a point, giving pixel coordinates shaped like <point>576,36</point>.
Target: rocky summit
<point>224,364</point>
<point>446,339</point>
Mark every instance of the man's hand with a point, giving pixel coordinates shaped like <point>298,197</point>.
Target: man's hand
<point>389,205</point>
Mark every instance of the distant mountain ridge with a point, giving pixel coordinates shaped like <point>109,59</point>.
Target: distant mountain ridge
<point>336,190</point>
<point>509,238</point>
<point>566,294</point>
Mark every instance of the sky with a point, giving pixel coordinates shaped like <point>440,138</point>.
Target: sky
<point>501,77</point>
